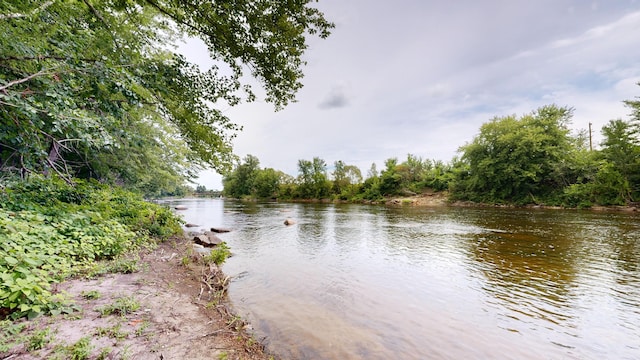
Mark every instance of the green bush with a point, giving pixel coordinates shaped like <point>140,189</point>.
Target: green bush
<point>50,230</point>
<point>218,255</point>
<point>578,196</point>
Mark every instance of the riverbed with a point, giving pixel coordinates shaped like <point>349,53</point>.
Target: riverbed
<point>375,282</point>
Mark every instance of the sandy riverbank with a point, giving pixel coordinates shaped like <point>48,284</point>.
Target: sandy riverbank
<point>182,313</point>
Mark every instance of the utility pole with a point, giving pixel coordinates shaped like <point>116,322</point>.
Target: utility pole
<point>590,140</point>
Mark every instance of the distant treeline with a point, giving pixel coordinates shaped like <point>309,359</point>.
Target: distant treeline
<point>532,159</point>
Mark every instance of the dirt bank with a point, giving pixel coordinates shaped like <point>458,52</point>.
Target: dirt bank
<point>427,199</point>
<point>174,307</point>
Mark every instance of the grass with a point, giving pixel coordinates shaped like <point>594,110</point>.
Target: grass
<point>90,295</point>
<point>121,306</point>
<point>140,331</point>
<point>9,334</point>
<point>80,350</point>
<point>114,332</point>
<point>104,353</point>
<point>38,339</point>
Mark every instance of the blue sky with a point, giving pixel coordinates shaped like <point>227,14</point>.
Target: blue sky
<point>421,77</point>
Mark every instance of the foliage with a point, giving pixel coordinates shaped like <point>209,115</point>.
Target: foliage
<point>52,230</point>
<point>621,151</point>
<point>313,182</point>
<point>267,183</point>
<point>532,159</point>
<point>578,195</point>
<point>90,295</point>
<point>80,350</point>
<point>218,255</point>
<point>346,180</point>
<point>114,332</point>
<point>513,159</point>
<point>121,306</point>
<point>91,89</point>
<point>241,181</point>
<point>9,334</point>
<point>391,178</point>
<point>38,339</point>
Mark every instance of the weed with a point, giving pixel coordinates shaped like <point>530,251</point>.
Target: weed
<point>124,266</point>
<point>104,353</point>
<point>38,339</point>
<point>236,321</point>
<point>72,317</point>
<point>90,295</point>
<point>223,356</point>
<point>9,334</point>
<point>78,351</point>
<point>122,306</point>
<point>114,332</point>
<point>211,304</point>
<point>124,355</point>
<point>218,255</point>
<point>185,261</point>
<point>140,331</point>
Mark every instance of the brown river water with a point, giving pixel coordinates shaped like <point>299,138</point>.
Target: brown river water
<point>374,282</point>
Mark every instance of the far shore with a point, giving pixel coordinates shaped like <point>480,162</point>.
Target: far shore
<point>437,199</point>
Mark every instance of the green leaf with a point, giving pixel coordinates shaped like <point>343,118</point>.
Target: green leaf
<point>10,260</point>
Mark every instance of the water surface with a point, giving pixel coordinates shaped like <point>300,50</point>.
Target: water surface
<point>372,282</point>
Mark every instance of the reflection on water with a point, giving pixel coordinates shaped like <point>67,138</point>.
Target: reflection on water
<point>366,282</point>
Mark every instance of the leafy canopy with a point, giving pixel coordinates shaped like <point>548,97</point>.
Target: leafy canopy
<point>513,159</point>
<point>93,88</point>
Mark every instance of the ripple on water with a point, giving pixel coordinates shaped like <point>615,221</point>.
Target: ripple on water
<point>359,282</point>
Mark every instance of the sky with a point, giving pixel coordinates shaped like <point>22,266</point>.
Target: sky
<point>420,77</point>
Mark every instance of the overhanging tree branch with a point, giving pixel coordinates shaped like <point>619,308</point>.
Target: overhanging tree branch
<point>106,25</point>
<point>20,81</point>
<point>35,11</point>
<point>174,17</point>
<point>44,57</point>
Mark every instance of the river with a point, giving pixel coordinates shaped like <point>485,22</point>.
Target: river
<point>373,282</point>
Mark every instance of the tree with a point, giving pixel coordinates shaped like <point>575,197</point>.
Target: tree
<point>339,174</point>
<point>634,105</point>
<point>390,179</point>
<point>634,179</point>
<point>618,182</point>
<point>438,175</point>
<point>312,179</point>
<point>345,179</point>
<point>267,183</point>
<point>305,179</point>
<point>513,159</point>
<point>86,85</point>
<point>241,181</point>
<point>372,172</point>
<point>416,168</point>
<point>370,188</point>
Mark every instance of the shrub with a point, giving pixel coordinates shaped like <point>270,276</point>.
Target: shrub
<point>51,230</point>
<point>218,255</point>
